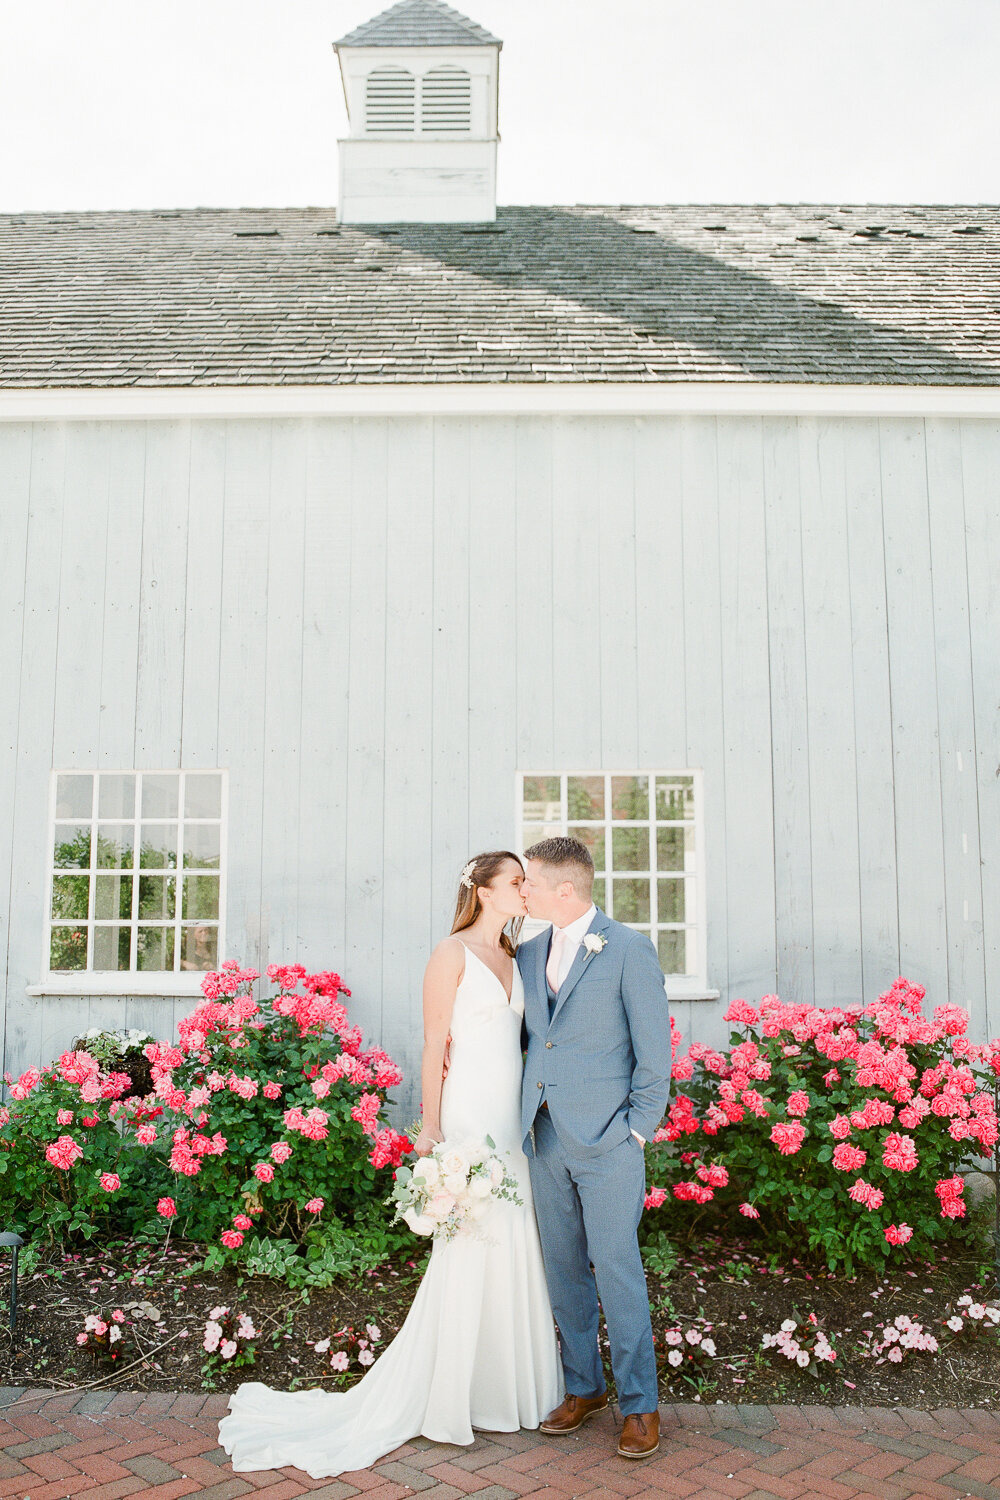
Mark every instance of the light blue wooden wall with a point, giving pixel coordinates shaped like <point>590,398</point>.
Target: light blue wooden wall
<point>374,623</point>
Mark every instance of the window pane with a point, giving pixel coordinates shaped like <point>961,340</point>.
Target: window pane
<point>631,901</point>
<point>70,894</point>
<point>199,947</point>
<point>203,796</point>
<point>159,846</point>
<point>630,797</point>
<point>74,797</point>
<point>115,842</point>
<point>675,797</point>
<point>533,833</point>
<point>156,897</point>
<point>675,848</point>
<point>68,948</point>
<point>585,797</point>
<point>593,836</point>
<point>156,948</point>
<point>599,893</point>
<point>116,797</point>
<point>201,844</point>
<point>672,948</point>
<point>542,799</point>
<point>159,796</point>
<point>671,900</point>
<point>72,848</point>
<point>113,896</point>
<point>201,896</point>
<point>111,947</point>
<point>630,848</point>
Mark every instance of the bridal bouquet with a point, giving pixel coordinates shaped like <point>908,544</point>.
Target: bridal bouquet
<point>451,1190</point>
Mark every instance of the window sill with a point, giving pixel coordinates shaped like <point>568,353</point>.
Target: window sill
<point>124,985</point>
<point>695,994</point>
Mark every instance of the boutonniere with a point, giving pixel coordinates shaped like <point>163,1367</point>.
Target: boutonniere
<point>594,942</point>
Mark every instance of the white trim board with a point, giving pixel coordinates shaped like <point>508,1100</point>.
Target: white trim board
<point>659,398</point>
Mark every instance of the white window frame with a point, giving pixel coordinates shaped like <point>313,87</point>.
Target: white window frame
<point>686,987</point>
<point>174,981</point>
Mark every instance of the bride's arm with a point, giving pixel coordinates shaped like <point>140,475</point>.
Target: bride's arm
<point>441,979</point>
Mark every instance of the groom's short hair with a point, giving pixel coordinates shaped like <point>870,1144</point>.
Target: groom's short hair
<point>569,858</point>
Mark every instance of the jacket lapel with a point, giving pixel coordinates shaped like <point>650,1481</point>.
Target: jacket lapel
<point>541,992</point>
<point>600,924</point>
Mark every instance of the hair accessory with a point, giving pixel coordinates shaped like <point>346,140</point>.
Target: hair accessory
<point>466,876</point>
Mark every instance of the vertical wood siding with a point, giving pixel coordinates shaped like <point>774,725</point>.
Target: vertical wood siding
<point>374,623</point>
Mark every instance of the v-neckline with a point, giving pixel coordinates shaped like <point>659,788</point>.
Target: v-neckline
<point>496,976</point>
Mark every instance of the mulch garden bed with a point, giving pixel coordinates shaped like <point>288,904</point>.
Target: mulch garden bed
<point>729,1289</point>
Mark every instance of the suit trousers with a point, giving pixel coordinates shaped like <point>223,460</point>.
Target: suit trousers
<point>588,1209</point>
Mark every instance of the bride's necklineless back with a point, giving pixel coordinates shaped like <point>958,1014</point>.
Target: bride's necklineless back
<point>507,996</point>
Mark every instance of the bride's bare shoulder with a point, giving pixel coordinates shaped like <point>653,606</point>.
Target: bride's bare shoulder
<point>447,961</point>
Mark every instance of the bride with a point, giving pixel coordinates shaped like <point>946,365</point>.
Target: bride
<point>478,1347</point>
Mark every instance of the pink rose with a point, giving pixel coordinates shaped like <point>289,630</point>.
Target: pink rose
<point>263,1171</point>
<point>314,1206</point>
<point>231,1238</point>
<point>110,1182</point>
<point>166,1208</point>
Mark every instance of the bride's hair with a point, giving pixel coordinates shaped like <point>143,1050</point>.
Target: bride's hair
<point>483,870</point>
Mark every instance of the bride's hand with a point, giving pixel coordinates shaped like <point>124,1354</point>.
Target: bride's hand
<point>426,1141</point>
<point>446,1064</point>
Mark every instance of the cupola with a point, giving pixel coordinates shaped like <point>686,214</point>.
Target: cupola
<point>420,81</point>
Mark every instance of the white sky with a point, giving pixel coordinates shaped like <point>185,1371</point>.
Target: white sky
<point>124,104</point>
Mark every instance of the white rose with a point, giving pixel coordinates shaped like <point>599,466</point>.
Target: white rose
<point>496,1171</point>
<point>427,1170</point>
<point>439,1207</point>
<point>480,1187</point>
<point>419,1223</point>
<point>454,1183</point>
<point>454,1164</point>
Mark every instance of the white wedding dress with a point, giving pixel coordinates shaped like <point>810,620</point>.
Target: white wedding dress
<point>478,1347</point>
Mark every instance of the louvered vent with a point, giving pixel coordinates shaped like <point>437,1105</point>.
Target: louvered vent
<point>390,102</point>
<point>446,102</point>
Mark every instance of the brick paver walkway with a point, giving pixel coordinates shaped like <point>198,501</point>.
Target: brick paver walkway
<point>164,1446</point>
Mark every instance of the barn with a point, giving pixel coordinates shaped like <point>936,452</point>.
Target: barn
<point>338,545</point>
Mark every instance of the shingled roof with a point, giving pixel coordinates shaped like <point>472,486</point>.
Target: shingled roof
<point>419,23</point>
<point>224,297</point>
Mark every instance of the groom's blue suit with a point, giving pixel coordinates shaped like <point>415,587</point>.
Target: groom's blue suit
<point>599,1058</point>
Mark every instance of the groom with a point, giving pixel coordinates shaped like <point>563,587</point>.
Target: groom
<point>596,1077</point>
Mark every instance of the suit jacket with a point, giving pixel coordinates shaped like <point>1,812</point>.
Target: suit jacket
<point>601,1060</point>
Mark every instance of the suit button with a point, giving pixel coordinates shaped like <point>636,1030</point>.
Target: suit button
<point>548,1044</point>
<point>539,1085</point>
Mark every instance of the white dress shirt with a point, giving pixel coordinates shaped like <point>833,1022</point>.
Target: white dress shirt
<point>570,937</point>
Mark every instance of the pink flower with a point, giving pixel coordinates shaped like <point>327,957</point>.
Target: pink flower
<point>339,1361</point>
<point>788,1136</point>
<point>231,1238</point>
<point>146,1135</point>
<point>366,1357</point>
<point>64,1117</point>
<point>263,1171</point>
<point>166,1208</point>
<point>366,1112</point>
<point>227,1348</point>
<point>242,1222</point>
<point>866,1193</point>
<point>280,1152</point>
<point>656,1197</point>
<point>748,1211</point>
<point>840,1127</point>
<point>271,1090</point>
<point>314,1206</point>
<point>110,1182</point>
<point>798,1102</point>
<point>63,1152</point>
<point>899,1152</point>
<point>847,1158</point>
<point>898,1234</point>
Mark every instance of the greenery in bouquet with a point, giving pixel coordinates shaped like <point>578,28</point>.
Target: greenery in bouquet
<point>852,1124</point>
<point>451,1189</point>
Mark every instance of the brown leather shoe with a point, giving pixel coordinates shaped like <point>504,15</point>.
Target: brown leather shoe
<point>572,1413</point>
<point>640,1435</point>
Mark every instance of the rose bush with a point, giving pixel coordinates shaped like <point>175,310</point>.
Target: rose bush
<point>265,1120</point>
<point>852,1124</point>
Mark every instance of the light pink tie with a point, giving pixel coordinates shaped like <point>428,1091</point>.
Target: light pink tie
<point>555,959</point>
